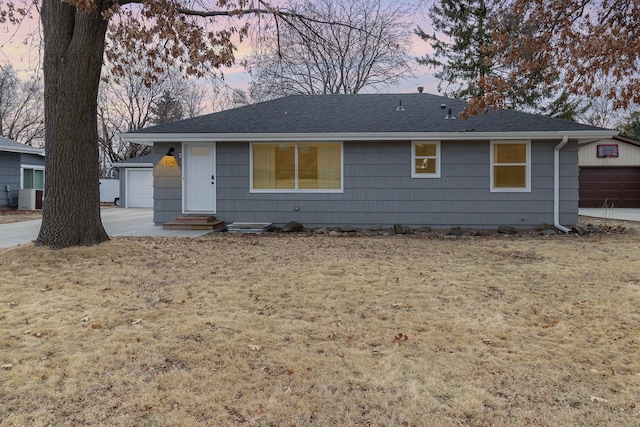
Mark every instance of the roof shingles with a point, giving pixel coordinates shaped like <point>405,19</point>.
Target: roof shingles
<point>362,113</point>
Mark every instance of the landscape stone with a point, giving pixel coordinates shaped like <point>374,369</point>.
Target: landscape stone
<point>580,229</point>
<point>506,229</point>
<point>455,231</point>
<point>292,226</point>
<point>401,229</point>
<point>376,227</point>
<point>548,232</point>
<point>347,229</point>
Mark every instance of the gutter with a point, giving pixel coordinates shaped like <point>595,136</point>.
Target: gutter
<point>556,185</point>
<point>149,138</point>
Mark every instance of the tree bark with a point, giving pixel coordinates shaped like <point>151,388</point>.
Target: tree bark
<point>73,52</point>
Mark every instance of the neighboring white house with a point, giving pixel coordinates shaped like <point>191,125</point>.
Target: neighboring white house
<point>609,173</point>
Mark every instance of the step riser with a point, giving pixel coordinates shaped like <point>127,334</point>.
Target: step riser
<point>195,219</point>
<point>193,226</point>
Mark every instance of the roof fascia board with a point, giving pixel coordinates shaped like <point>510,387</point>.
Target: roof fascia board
<point>151,138</point>
<point>26,150</point>
<point>133,165</point>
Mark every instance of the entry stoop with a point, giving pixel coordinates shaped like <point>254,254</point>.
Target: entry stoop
<point>195,222</point>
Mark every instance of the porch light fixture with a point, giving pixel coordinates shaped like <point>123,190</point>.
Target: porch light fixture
<point>169,159</point>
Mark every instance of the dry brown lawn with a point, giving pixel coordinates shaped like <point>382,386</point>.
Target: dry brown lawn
<point>314,330</point>
<point>12,215</point>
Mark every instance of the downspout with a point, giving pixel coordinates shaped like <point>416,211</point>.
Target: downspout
<point>556,185</point>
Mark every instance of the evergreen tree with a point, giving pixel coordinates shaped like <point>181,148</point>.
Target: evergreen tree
<point>167,109</point>
<point>461,29</point>
<point>631,126</point>
<point>465,58</point>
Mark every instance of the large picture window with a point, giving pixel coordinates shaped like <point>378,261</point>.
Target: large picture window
<point>296,167</point>
<point>425,159</point>
<point>511,166</point>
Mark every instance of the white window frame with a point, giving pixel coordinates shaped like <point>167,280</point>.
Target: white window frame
<point>414,174</point>
<point>32,167</point>
<point>296,144</point>
<point>527,165</point>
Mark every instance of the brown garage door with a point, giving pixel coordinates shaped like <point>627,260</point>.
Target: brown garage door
<point>611,187</point>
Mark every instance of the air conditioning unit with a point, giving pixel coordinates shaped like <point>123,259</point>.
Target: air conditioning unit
<point>27,199</point>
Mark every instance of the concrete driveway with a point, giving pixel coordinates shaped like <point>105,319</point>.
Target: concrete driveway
<point>117,222</point>
<point>623,214</point>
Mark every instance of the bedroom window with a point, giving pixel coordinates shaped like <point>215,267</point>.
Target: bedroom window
<point>296,167</point>
<point>511,166</point>
<point>425,159</point>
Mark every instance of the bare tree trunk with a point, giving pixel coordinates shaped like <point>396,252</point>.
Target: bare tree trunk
<point>73,50</point>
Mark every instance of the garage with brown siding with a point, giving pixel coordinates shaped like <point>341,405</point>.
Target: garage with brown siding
<point>609,173</point>
<point>610,187</point>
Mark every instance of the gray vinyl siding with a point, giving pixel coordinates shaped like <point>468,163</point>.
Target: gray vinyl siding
<point>31,159</point>
<point>9,175</point>
<point>10,164</point>
<point>167,185</point>
<point>378,189</point>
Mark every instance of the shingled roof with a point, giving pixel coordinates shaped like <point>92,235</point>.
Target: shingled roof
<point>15,147</point>
<point>360,114</point>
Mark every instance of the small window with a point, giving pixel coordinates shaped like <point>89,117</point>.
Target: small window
<point>425,159</point>
<point>200,151</point>
<point>608,150</point>
<point>510,168</point>
<point>33,179</point>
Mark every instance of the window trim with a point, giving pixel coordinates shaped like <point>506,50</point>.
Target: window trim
<point>34,168</point>
<point>296,145</point>
<point>527,165</point>
<point>414,174</point>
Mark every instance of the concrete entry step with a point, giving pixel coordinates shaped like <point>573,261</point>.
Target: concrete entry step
<point>195,219</point>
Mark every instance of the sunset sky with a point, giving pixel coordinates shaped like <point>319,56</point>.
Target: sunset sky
<point>21,47</point>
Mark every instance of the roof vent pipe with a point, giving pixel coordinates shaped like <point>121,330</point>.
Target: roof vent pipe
<point>420,89</point>
<point>449,116</point>
<point>556,185</point>
<point>400,107</point>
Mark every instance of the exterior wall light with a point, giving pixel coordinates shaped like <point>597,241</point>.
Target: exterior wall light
<point>169,159</point>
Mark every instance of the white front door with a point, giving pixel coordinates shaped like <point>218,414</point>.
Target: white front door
<point>199,175</point>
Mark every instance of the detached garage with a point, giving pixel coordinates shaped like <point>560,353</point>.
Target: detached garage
<point>136,182</point>
<point>610,173</point>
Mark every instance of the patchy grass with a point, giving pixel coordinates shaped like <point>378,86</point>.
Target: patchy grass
<point>13,215</point>
<point>280,330</point>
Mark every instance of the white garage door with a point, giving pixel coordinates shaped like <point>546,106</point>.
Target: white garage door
<point>139,188</point>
